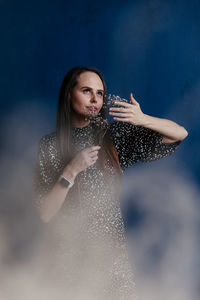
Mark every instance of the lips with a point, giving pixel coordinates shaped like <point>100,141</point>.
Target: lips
<point>92,108</point>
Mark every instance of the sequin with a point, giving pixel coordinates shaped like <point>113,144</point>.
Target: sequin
<point>97,204</point>
<point>136,143</point>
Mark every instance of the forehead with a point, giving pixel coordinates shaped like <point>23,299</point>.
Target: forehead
<point>90,79</point>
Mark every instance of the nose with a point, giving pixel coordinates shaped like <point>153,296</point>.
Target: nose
<point>93,98</point>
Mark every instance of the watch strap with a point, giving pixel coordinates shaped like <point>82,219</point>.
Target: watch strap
<point>65,182</point>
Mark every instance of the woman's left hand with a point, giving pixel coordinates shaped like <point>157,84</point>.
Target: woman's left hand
<point>130,113</point>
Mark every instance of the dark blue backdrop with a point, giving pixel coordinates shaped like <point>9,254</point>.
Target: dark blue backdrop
<point>150,48</point>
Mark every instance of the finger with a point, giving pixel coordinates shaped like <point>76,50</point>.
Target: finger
<point>94,148</point>
<point>91,163</point>
<point>94,155</point>
<point>133,99</point>
<point>120,108</point>
<point>124,114</point>
<point>122,119</point>
<point>93,160</point>
<point>119,114</point>
<point>124,104</point>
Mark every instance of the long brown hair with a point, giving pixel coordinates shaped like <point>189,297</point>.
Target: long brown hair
<point>64,120</point>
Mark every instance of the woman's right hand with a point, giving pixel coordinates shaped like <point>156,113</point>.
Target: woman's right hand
<point>84,159</point>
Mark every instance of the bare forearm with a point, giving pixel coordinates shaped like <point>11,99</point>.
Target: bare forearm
<point>132,113</point>
<point>169,129</point>
<point>53,201</point>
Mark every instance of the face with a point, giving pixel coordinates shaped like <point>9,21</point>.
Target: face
<point>87,95</point>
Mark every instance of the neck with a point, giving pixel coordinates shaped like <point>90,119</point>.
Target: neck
<point>79,122</point>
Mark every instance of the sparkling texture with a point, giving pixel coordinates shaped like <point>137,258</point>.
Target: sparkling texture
<point>136,143</point>
<point>112,98</point>
<point>94,211</point>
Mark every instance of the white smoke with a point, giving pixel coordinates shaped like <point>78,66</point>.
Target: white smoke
<point>163,244</point>
<point>34,256</point>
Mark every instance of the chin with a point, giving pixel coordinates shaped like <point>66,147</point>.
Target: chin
<point>93,114</point>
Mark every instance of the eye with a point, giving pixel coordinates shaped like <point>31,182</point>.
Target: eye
<point>100,93</point>
<point>86,90</point>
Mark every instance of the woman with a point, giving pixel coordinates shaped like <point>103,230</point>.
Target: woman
<point>77,181</point>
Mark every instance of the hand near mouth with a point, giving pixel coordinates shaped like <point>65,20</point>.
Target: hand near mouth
<point>128,112</point>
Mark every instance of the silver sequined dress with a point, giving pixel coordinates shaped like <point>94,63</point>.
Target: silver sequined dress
<point>90,252</point>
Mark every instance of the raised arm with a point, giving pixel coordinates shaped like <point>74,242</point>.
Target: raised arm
<point>139,137</point>
<point>132,113</point>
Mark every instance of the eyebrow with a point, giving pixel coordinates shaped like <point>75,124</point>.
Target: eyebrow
<point>91,88</point>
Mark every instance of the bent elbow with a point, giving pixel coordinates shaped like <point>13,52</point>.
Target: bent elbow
<point>185,134</point>
<point>44,218</point>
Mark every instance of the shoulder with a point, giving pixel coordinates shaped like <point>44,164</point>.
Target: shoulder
<point>119,129</point>
<point>48,150</point>
<point>118,124</point>
<point>48,139</point>
<point>48,142</point>
<point>124,128</point>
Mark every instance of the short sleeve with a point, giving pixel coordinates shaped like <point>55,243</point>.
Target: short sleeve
<point>136,143</point>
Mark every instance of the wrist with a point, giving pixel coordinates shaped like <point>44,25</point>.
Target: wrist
<point>146,120</point>
<point>70,173</point>
<point>65,182</point>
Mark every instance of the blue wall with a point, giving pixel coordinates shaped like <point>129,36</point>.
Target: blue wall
<point>148,47</point>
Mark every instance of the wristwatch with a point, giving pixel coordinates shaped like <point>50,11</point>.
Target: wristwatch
<point>65,182</point>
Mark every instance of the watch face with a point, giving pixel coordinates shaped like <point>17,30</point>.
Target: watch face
<point>64,182</point>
